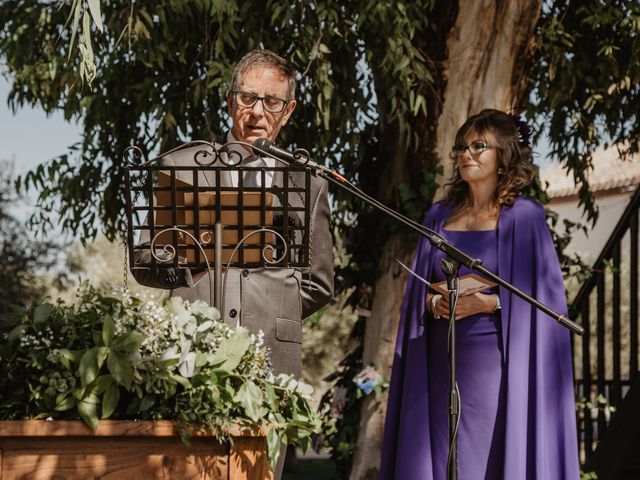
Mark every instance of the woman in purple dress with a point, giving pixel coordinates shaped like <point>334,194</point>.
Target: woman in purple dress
<point>514,369</point>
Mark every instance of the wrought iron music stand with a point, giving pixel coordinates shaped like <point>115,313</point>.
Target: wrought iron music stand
<point>192,213</point>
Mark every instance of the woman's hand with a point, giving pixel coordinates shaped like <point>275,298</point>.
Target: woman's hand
<point>467,305</point>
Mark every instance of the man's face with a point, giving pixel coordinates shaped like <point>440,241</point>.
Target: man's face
<point>251,123</point>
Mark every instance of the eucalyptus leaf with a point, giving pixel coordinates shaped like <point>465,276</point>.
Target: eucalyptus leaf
<point>94,8</point>
<point>187,365</point>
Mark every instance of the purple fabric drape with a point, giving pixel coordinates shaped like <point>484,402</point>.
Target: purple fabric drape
<point>540,432</point>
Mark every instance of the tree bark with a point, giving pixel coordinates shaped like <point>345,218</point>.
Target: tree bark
<point>487,56</point>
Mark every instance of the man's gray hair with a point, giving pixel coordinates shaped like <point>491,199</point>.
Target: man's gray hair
<point>265,58</point>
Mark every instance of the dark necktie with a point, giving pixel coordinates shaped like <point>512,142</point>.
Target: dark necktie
<point>251,176</point>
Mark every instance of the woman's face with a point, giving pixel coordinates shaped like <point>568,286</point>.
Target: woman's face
<point>479,161</point>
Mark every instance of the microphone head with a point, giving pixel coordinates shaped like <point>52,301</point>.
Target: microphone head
<point>262,144</point>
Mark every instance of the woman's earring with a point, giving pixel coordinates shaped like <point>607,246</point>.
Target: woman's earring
<point>501,171</point>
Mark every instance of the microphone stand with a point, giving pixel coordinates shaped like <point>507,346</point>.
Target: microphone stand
<point>450,266</point>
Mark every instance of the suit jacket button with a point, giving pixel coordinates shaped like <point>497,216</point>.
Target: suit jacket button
<point>245,272</point>
<point>233,312</point>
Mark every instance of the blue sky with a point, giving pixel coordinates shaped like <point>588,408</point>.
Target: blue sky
<point>30,137</point>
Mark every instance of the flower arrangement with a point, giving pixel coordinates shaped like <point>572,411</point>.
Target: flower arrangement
<point>114,355</point>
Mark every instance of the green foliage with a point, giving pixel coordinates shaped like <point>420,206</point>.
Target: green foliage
<point>118,356</point>
<point>341,406</point>
<point>163,67</point>
<point>22,257</point>
<point>585,82</point>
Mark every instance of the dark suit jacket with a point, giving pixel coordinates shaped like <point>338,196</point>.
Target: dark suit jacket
<point>274,300</point>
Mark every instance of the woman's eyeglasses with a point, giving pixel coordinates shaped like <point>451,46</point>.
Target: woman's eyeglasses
<point>270,104</point>
<point>475,148</point>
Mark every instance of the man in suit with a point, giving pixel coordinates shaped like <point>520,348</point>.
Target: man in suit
<point>274,300</point>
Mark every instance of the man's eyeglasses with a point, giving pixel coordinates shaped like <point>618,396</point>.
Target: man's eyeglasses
<point>475,148</point>
<point>269,103</point>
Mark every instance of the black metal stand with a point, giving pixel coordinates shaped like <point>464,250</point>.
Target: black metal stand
<point>451,268</point>
<point>195,209</point>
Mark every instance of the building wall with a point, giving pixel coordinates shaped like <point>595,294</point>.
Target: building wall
<point>611,206</point>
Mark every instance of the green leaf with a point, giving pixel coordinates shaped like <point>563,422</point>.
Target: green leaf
<point>147,402</point>
<point>110,400</point>
<point>273,447</point>
<point>129,342</point>
<point>271,397</point>
<point>65,401</point>
<point>17,332</point>
<point>88,410</point>
<point>231,350</point>
<point>101,355</point>
<point>250,397</point>
<point>101,384</point>
<point>41,313</point>
<point>69,357</point>
<point>108,330</point>
<point>120,368</point>
<point>88,367</point>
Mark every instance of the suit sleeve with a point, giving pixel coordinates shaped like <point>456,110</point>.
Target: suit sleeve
<point>318,289</point>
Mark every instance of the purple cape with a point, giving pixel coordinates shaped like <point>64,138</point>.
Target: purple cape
<point>540,424</point>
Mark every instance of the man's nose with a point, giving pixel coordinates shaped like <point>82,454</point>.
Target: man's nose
<point>257,108</point>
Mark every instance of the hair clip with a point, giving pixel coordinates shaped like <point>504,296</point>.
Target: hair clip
<point>523,130</point>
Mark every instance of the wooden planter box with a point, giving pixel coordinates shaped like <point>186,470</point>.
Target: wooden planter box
<point>39,449</point>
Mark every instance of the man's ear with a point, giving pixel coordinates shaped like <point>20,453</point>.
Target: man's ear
<point>288,111</point>
<point>229,101</point>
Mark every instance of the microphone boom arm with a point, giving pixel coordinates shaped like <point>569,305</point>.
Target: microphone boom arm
<point>439,242</point>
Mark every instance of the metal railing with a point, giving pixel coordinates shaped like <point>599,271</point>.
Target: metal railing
<point>606,356</point>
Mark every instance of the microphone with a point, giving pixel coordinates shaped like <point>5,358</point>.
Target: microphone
<point>299,157</point>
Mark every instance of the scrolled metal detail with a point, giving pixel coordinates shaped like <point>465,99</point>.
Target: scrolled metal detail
<point>204,154</point>
<point>206,238</point>
<point>231,154</point>
<point>172,252</point>
<point>301,157</point>
<point>266,248</point>
<point>171,249</point>
<point>133,154</point>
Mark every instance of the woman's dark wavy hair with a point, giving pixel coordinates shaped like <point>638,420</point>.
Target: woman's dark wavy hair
<point>514,157</point>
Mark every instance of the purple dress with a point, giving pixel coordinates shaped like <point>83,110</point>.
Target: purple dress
<point>526,379</point>
<point>479,374</point>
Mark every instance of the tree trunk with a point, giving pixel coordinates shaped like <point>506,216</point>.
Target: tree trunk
<point>487,58</point>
